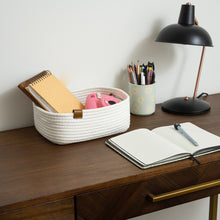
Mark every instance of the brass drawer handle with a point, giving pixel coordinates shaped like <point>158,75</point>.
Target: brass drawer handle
<point>184,191</point>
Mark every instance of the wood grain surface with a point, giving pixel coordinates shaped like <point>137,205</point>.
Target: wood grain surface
<point>34,171</point>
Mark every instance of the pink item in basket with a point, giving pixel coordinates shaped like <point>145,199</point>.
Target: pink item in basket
<point>98,100</point>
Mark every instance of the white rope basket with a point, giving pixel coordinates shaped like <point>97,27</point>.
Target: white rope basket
<point>62,128</point>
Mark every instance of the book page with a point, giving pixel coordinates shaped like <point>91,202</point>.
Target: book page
<point>202,137</point>
<point>146,146</point>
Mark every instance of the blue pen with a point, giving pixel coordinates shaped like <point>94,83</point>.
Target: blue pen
<point>179,128</point>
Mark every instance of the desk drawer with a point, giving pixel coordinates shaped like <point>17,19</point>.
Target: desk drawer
<point>130,200</point>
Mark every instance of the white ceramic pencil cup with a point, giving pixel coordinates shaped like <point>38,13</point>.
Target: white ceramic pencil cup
<point>142,99</point>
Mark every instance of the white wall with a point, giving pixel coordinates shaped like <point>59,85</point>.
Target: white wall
<point>90,42</point>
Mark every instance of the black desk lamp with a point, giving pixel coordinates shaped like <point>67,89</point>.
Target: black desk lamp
<point>186,31</point>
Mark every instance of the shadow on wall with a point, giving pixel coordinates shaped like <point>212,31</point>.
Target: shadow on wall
<point>162,54</point>
<point>15,109</point>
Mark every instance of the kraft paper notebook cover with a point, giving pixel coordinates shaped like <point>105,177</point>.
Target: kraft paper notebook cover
<point>46,91</point>
<point>163,145</point>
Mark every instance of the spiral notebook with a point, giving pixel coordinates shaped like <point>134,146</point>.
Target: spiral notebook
<point>48,92</point>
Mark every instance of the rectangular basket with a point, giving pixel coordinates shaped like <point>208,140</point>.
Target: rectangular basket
<point>62,128</point>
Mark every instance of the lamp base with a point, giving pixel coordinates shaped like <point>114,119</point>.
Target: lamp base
<point>185,106</point>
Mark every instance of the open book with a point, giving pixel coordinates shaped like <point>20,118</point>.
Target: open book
<point>163,145</point>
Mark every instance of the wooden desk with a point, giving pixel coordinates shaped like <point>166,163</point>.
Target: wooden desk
<point>40,180</point>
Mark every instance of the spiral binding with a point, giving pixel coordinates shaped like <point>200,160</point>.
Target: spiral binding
<point>40,78</point>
